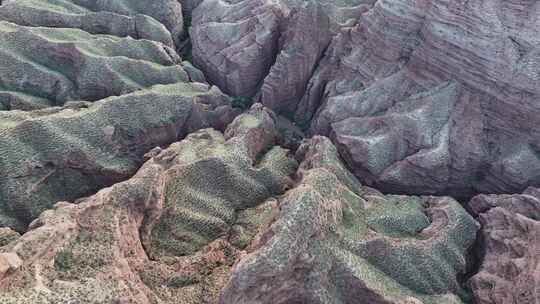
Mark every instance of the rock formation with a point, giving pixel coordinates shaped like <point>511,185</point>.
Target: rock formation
<point>66,153</point>
<point>169,234</point>
<point>420,97</point>
<point>510,242</point>
<point>353,244</point>
<point>42,67</point>
<point>174,230</point>
<point>313,152</point>
<point>95,101</point>
<point>159,20</point>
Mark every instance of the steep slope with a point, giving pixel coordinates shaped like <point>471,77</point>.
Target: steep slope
<point>167,235</point>
<point>420,97</point>
<point>159,20</point>
<point>510,242</point>
<point>172,232</point>
<point>67,153</point>
<point>337,242</point>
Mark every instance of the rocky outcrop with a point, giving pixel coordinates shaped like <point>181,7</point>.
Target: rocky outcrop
<point>66,153</point>
<point>235,43</point>
<point>434,97</point>
<point>420,97</point>
<point>167,235</point>
<point>263,49</point>
<point>159,20</point>
<point>510,269</point>
<point>41,67</point>
<point>336,242</point>
<point>203,221</point>
<point>126,177</point>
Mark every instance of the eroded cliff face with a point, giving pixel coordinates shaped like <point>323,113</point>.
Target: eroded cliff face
<point>129,174</point>
<point>509,272</point>
<point>420,97</point>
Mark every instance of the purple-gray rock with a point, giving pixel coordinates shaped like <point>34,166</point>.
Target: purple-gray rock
<point>509,244</point>
<point>159,20</point>
<point>434,97</point>
<point>420,97</point>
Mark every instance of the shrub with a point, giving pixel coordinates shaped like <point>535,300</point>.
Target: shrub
<point>242,102</point>
<point>64,260</point>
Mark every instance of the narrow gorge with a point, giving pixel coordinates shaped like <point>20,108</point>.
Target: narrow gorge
<point>270,151</point>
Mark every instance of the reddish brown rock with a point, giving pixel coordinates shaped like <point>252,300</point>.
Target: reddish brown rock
<point>235,43</point>
<point>263,49</point>
<point>169,234</point>
<point>510,243</point>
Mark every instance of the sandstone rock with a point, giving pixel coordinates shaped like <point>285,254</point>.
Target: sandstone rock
<point>337,242</point>
<point>305,36</point>
<point>9,262</point>
<point>510,269</point>
<point>136,18</point>
<point>235,43</point>
<point>267,49</point>
<point>415,97</point>
<point>163,235</point>
<point>67,153</point>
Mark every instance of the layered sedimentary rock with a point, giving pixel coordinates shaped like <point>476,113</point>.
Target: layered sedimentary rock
<point>337,242</point>
<point>264,49</point>
<point>159,20</point>
<point>235,43</point>
<point>167,235</point>
<point>509,243</point>
<point>409,96</point>
<point>420,97</point>
<point>41,67</point>
<point>66,153</point>
<point>434,97</point>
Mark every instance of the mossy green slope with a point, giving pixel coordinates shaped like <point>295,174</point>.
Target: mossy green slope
<point>153,20</point>
<point>336,244</point>
<point>42,67</point>
<point>64,154</point>
<point>215,179</point>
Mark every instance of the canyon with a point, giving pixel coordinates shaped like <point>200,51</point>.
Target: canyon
<point>270,151</point>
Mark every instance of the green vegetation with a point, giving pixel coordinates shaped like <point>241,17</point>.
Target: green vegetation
<point>182,281</point>
<point>64,260</point>
<point>241,102</point>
